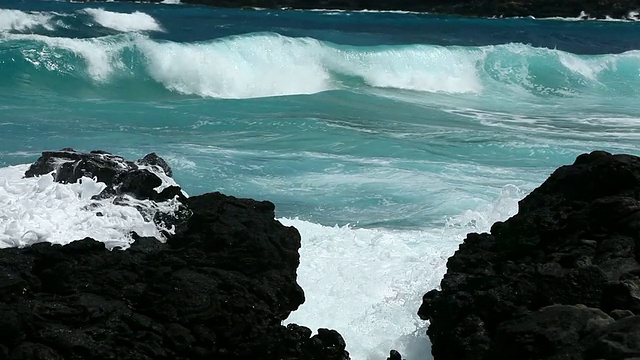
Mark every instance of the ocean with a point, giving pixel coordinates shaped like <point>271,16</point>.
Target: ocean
<point>383,137</point>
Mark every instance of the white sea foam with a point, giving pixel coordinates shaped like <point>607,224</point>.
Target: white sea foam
<point>272,65</point>
<point>367,11</point>
<point>392,12</point>
<point>124,22</point>
<point>368,283</point>
<point>101,55</point>
<point>260,65</point>
<point>267,64</point>
<point>16,20</point>
<point>589,68</point>
<point>418,67</point>
<point>172,2</point>
<point>239,67</point>
<point>38,209</point>
<point>631,16</point>
<point>167,181</point>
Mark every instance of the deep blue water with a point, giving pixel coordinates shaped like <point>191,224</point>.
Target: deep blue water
<point>383,137</point>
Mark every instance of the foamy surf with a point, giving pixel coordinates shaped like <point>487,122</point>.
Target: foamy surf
<point>16,20</point>
<point>124,22</point>
<point>360,273</point>
<point>101,56</point>
<point>268,64</point>
<point>583,16</point>
<point>364,11</point>
<point>239,67</point>
<point>38,209</point>
<point>364,274</point>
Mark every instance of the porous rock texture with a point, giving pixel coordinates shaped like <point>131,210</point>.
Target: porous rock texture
<point>217,289</point>
<point>138,178</point>
<point>559,280</point>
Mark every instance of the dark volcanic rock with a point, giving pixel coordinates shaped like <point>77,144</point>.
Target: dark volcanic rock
<point>394,355</point>
<point>483,8</point>
<point>218,289</point>
<point>137,178</point>
<point>559,280</point>
<point>144,179</point>
<point>153,159</point>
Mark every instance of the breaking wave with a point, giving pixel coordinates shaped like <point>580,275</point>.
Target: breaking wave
<point>124,22</point>
<point>16,21</point>
<point>269,64</point>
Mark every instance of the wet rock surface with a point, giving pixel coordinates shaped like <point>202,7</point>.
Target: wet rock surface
<point>559,280</point>
<point>219,288</point>
<point>145,178</point>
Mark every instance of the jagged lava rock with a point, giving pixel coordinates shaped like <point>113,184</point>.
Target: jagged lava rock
<point>148,178</point>
<point>145,178</point>
<point>217,289</point>
<point>559,280</point>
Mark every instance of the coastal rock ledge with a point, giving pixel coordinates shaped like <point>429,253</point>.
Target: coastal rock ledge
<point>559,280</point>
<point>218,288</point>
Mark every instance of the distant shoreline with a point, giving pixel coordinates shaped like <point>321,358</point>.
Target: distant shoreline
<point>616,9</point>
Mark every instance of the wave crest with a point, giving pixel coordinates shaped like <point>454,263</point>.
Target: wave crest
<point>124,22</point>
<point>269,64</point>
<point>16,20</point>
<point>239,67</point>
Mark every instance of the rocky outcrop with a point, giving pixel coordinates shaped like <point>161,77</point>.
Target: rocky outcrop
<point>559,280</point>
<point>217,289</point>
<point>481,8</point>
<point>146,178</point>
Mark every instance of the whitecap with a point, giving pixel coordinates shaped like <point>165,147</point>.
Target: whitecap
<point>16,20</point>
<point>124,22</point>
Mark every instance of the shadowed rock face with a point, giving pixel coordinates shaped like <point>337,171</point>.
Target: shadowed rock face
<point>559,280</point>
<point>218,289</point>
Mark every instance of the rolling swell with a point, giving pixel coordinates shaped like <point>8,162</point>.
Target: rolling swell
<point>269,64</point>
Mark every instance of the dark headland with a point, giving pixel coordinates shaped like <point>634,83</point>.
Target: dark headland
<point>618,9</point>
<point>559,280</point>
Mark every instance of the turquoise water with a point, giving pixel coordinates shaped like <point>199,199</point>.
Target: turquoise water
<point>383,137</point>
